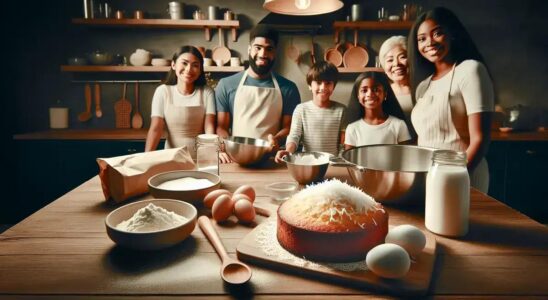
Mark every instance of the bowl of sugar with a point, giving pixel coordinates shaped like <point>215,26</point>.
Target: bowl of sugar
<point>151,224</point>
<point>188,186</point>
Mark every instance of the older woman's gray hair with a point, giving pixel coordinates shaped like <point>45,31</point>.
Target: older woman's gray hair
<point>390,44</point>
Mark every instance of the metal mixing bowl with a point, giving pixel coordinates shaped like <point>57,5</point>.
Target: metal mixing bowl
<point>246,151</point>
<point>392,174</point>
<point>304,172</point>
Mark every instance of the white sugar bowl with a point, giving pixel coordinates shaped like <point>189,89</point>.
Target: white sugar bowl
<point>140,57</point>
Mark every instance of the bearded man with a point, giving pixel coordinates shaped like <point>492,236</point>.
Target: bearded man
<point>256,103</point>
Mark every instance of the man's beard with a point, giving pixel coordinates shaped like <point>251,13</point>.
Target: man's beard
<point>260,70</point>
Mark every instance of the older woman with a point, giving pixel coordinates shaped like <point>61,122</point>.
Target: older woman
<point>393,59</point>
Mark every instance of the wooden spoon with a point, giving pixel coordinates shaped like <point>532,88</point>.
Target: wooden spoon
<point>137,119</point>
<point>97,92</point>
<point>86,116</point>
<point>232,270</point>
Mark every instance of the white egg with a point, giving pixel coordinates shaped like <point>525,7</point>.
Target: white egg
<point>409,237</point>
<point>388,260</point>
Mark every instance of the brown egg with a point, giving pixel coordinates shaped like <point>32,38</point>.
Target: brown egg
<point>213,195</point>
<point>244,210</point>
<point>237,197</point>
<point>222,208</point>
<point>246,190</point>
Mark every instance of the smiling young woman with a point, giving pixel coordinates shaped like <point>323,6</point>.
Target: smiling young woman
<point>453,90</point>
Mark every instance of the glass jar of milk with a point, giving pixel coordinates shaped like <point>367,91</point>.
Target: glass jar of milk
<point>207,153</point>
<point>447,202</point>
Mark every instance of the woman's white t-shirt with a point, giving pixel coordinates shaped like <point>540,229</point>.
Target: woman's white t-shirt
<point>392,131</point>
<point>161,95</point>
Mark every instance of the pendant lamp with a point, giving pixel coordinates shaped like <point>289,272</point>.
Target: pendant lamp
<point>302,7</point>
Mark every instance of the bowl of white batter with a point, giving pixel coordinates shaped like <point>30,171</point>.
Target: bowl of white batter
<point>188,186</point>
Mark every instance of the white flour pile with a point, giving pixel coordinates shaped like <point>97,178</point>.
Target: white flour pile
<point>151,218</point>
<point>310,159</point>
<point>185,184</point>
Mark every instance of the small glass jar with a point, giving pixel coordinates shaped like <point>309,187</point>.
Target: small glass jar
<point>447,201</point>
<point>207,153</point>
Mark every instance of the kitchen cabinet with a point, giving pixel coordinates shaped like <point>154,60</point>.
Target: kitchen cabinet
<point>517,172</point>
<point>47,169</point>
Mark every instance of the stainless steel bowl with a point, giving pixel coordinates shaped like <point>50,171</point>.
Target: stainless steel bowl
<point>246,151</point>
<point>304,172</point>
<point>392,174</point>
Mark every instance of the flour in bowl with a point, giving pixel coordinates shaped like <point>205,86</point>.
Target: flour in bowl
<point>151,218</point>
<point>185,184</point>
<point>310,159</point>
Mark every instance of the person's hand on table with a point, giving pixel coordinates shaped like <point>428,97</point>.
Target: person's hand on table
<point>280,154</point>
<point>224,158</point>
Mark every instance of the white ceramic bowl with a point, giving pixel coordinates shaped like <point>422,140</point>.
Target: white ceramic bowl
<point>160,62</point>
<point>156,239</point>
<point>281,191</point>
<point>194,196</point>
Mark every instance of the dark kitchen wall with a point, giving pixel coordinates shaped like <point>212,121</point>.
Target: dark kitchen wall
<point>512,36</point>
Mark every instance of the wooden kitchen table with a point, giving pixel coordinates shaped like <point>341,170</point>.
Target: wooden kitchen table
<point>63,251</point>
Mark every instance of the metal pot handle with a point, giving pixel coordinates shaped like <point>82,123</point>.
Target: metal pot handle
<point>340,162</point>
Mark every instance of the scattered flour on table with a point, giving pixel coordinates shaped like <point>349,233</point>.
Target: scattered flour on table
<point>185,183</point>
<point>151,218</point>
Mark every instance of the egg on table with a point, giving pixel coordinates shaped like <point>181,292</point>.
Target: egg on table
<point>246,190</point>
<point>244,211</point>
<point>222,208</point>
<point>388,261</point>
<point>210,198</point>
<point>409,237</point>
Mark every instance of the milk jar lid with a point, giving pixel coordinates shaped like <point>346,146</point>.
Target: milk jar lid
<point>207,138</point>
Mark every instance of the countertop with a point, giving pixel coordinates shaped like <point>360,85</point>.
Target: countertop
<point>62,251</point>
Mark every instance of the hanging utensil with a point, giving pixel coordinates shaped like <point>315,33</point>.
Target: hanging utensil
<point>292,52</point>
<point>356,56</point>
<point>97,94</point>
<point>312,53</point>
<point>137,119</point>
<point>122,109</point>
<point>232,271</point>
<point>86,116</point>
<point>221,53</point>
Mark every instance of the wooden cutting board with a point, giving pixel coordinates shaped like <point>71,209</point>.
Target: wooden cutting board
<point>416,282</point>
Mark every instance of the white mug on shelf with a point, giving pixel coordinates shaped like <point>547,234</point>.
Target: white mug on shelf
<point>208,62</point>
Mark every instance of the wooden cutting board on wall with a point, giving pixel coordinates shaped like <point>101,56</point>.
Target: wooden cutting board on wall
<point>416,282</point>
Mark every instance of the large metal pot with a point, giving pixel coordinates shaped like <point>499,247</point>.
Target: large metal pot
<point>392,174</point>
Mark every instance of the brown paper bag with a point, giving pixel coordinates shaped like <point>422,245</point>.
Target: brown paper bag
<point>127,176</point>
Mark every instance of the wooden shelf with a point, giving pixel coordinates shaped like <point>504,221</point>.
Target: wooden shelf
<point>122,69</point>
<point>373,25</point>
<point>359,70</point>
<point>207,25</point>
<point>85,134</point>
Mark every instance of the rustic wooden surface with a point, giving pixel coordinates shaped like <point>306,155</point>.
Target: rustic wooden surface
<point>63,251</point>
<point>141,134</point>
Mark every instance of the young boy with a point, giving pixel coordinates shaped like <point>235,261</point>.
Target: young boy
<point>317,123</point>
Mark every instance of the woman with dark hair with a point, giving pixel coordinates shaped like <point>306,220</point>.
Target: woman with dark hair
<point>381,119</point>
<point>453,88</point>
<point>184,105</point>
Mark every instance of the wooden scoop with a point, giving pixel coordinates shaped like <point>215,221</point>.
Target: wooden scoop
<point>232,270</point>
<point>221,53</point>
<point>137,119</point>
<point>86,116</point>
<point>97,92</point>
<point>122,109</point>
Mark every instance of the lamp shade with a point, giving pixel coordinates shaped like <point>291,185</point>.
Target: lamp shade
<point>302,7</point>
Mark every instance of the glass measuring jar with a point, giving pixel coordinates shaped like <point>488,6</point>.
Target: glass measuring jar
<point>207,153</point>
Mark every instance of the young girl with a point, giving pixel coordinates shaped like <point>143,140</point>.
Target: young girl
<point>184,105</point>
<point>382,116</point>
<point>455,96</point>
<point>317,123</point>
